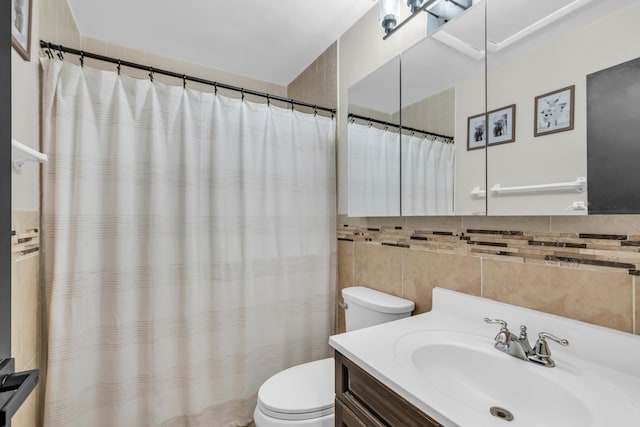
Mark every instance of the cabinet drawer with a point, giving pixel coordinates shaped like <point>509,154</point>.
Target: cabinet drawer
<point>373,403</point>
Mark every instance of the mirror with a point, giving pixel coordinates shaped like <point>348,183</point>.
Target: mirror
<point>558,125</point>
<point>443,80</point>
<point>374,143</point>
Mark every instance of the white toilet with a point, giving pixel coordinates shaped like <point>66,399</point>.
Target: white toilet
<point>303,395</point>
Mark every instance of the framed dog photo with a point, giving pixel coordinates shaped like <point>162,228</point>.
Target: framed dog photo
<point>502,125</point>
<point>21,27</point>
<point>476,132</point>
<point>554,111</point>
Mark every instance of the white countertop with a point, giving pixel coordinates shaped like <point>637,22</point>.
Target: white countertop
<point>607,361</point>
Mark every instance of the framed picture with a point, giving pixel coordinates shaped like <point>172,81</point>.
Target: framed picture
<point>476,132</point>
<point>554,111</point>
<point>502,125</point>
<point>21,27</point>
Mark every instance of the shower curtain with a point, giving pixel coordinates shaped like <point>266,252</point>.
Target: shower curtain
<point>428,173</point>
<point>374,171</point>
<point>189,249</point>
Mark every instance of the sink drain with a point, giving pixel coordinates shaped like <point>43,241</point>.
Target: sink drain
<point>501,413</point>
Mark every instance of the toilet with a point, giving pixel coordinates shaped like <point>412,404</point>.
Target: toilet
<point>303,395</point>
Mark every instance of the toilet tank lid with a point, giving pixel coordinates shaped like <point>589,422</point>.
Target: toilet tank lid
<point>376,300</point>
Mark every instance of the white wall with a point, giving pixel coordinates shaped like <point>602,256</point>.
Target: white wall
<point>25,120</point>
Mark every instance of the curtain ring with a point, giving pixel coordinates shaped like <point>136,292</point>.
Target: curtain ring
<point>215,88</point>
<point>48,50</point>
<point>242,94</point>
<point>292,105</point>
<point>60,55</point>
<point>268,101</point>
<point>82,58</point>
<point>184,81</point>
<point>370,123</point>
<point>119,67</point>
<point>315,110</point>
<point>151,74</point>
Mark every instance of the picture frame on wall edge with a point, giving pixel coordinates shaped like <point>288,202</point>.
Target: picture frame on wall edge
<point>502,125</point>
<point>553,111</point>
<point>21,27</point>
<point>476,132</point>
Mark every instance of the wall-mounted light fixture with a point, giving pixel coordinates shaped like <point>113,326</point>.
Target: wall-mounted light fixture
<point>438,9</point>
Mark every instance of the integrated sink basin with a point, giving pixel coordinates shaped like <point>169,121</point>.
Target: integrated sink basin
<point>467,369</point>
<point>444,363</point>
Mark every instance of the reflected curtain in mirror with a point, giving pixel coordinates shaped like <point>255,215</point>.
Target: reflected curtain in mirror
<point>374,171</point>
<point>428,174</point>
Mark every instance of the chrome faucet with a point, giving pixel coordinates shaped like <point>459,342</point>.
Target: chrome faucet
<point>518,346</point>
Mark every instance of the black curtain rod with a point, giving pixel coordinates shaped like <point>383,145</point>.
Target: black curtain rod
<point>395,125</point>
<point>82,54</point>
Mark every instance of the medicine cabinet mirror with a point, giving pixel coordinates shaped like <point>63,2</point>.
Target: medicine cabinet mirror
<point>374,143</point>
<point>570,121</point>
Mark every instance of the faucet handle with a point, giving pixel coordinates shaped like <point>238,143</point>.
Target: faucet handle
<point>546,335</point>
<point>503,337</point>
<point>502,323</point>
<point>541,353</point>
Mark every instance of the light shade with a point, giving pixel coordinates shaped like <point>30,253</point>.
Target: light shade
<point>389,14</point>
<point>414,4</point>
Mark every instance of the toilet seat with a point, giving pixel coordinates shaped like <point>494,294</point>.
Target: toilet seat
<point>299,393</point>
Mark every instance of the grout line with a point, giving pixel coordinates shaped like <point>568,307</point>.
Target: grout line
<point>481,278</point>
<point>402,273</point>
<point>353,264</point>
<point>633,305</point>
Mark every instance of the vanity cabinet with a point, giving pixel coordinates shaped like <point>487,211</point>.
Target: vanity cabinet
<point>363,401</point>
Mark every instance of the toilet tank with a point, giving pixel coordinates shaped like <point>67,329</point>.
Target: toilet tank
<point>367,307</point>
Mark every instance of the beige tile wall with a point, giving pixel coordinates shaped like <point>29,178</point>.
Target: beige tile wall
<point>318,83</point>
<point>598,294</point>
<point>26,318</point>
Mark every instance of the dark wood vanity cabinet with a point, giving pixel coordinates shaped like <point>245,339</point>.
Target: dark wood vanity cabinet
<point>363,401</point>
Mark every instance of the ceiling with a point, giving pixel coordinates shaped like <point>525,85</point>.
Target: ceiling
<point>269,40</point>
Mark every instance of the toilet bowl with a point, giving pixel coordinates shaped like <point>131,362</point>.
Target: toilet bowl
<point>303,395</point>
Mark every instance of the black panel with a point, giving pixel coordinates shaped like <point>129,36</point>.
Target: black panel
<point>5,182</point>
<point>613,139</point>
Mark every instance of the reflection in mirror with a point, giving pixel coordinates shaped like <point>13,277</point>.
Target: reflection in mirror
<point>543,56</point>
<point>443,85</point>
<point>374,143</point>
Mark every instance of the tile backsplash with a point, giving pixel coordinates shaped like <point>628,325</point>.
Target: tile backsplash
<point>588,276</point>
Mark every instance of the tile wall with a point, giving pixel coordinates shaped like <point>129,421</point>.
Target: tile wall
<point>586,273</point>
<point>26,308</point>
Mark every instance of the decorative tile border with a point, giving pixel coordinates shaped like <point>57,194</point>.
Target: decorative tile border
<point>583,250</point>
<point>25,243</point>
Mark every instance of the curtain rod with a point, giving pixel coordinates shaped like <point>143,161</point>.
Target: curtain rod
<point>47,46</point>
<point>382,122</point>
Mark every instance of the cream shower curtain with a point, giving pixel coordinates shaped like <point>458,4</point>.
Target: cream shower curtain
<point>189,249</point>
